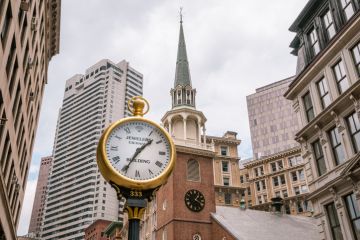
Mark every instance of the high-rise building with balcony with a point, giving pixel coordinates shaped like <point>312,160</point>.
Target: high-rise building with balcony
<point>37,213</point>
<point>29,38</point>
<point>77,193</point>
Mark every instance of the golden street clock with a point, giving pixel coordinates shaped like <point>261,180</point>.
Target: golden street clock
<point>194,200</point>
<point>136,153</point>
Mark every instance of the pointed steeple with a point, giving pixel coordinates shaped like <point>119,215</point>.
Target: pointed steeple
<point>182,74</point>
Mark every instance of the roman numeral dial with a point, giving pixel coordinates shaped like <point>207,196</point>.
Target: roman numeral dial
<point>138,150</point>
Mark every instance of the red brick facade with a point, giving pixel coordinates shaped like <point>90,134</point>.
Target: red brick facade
<point>94,231</point>
<point>219,233</point>
<point>173,217</point>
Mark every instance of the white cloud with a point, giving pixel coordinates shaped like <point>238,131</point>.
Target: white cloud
<point>27,208</point>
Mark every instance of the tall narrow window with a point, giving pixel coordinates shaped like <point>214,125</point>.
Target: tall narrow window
<point>354,213</point>
<point>226,181</point>
<point>319,157</point>
<point>354,128</point>
<point>314,42</point>
<point>227,198</point>
<point>329,24</point>
<point>323,92</point>
<point>309,110</point>
<point>355,51</point>
<point>193,170</point>
<point>224,150</point>
<point>340,76</point>
<point>225,166</point>
<point>348,8</point>
<point>6,24</point>
<point>334,222</point>
<point>336,146</point>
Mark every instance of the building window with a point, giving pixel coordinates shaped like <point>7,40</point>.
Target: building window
<point>263,184</point>
<point>334,221</point>
<point>355,51</point>
<point>260,200</point>
<point>282,179</point>
<point>241,179</point>
<point>6,24</point>
<point>319,157</point>
<point>285,193</point>
<point>227,198</point>
<point>277,194</point>
<point>348,8</point>
<point>354,213</point>
<point>296,190</point>
<point>304,189</point>
<point>259,171</point>
<point>276,181</point>
<point>193,170</point>
<point>314,41</point>
<point>225,166</point>
<point>336,146</point>
<point>258,186</point>
<point>276,166</point>
<point>294,176</point>
<point>324,93</point>
<point>329,25</point>
<point>340,76</point>
<point>296,160</point>
<point>226,181</point>
<point>354,128</point>
<point>224,151</point>
<point>299,207</point>
<point>273,167</point>
<point>309,110</point>
<point>301,174</point>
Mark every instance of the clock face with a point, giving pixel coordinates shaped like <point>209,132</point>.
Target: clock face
<point>194,200</point>
<point>138,150</point>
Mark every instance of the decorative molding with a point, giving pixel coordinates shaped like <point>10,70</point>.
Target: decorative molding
<point>336,198</point>
<point>338,123</point>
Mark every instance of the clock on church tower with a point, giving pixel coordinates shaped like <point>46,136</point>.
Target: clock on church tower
<point>185,202</point>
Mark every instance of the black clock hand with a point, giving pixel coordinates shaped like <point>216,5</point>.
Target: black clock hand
<point>138,150</point>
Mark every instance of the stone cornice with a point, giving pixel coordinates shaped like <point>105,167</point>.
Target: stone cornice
<point>195,151</point>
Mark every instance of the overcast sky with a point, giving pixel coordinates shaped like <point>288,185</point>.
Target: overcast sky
<point>233,46</point>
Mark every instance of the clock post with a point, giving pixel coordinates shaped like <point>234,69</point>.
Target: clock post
<point>136,156</point>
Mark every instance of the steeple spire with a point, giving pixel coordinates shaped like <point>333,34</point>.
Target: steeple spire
<point>182,74</point>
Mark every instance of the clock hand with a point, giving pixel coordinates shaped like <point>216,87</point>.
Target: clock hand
<point>138,150</point>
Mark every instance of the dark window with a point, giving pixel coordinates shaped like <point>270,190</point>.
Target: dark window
<point>309,110</point>
<point>300,207</point>
<point>323,92</point>
<point>227,198</point>
<point>336,146</point>
<point>273,166</point>
<point>263,184</point>
<point>257,186</point>
<point>241,179</point>
<point>356,57</point>
<point>224,151</point>
<point>294,176</point>
<point>282,179</point>
<point>329,25</point>
<point>11,57</point>
<point>6,24</point>
<point>334,221</point>
<point>314,41</point>
<point>296,190</point>
<point>319,158</point>
<point>276,181</point>
<point>348,8</point>
<point>354,128</point>
<point>354,213</point>
<point>226,181</point>
<point>225,166</point>
<point>340,76</point>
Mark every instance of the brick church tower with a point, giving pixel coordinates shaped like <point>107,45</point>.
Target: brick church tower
<point>184,203</point>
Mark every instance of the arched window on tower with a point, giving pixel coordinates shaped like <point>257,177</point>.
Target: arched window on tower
<point>179,96</point>
<point>193,170</point>
<point>188,98</point>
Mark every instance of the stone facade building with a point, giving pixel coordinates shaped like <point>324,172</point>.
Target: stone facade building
<point>272,121</point>
<point>279,175</point>
<point>37,213</point>
<point>325,95</point>
<point>29,38</point>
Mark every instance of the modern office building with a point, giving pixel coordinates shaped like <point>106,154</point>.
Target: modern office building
<point>77,193</point>
<point>272,120</point>
<point>326,98</point>
<point>29,38</point>
<point>37,213</point>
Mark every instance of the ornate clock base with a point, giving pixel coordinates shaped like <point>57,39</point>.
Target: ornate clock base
<point>135,206</point>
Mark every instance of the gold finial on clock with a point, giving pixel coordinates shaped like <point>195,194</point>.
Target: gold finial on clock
<point>137,104</point>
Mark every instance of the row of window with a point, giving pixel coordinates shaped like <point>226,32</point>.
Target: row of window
<point>278,165</point>
<point>342,83</point>
<point>338,152</point>
<point>353,214</point>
